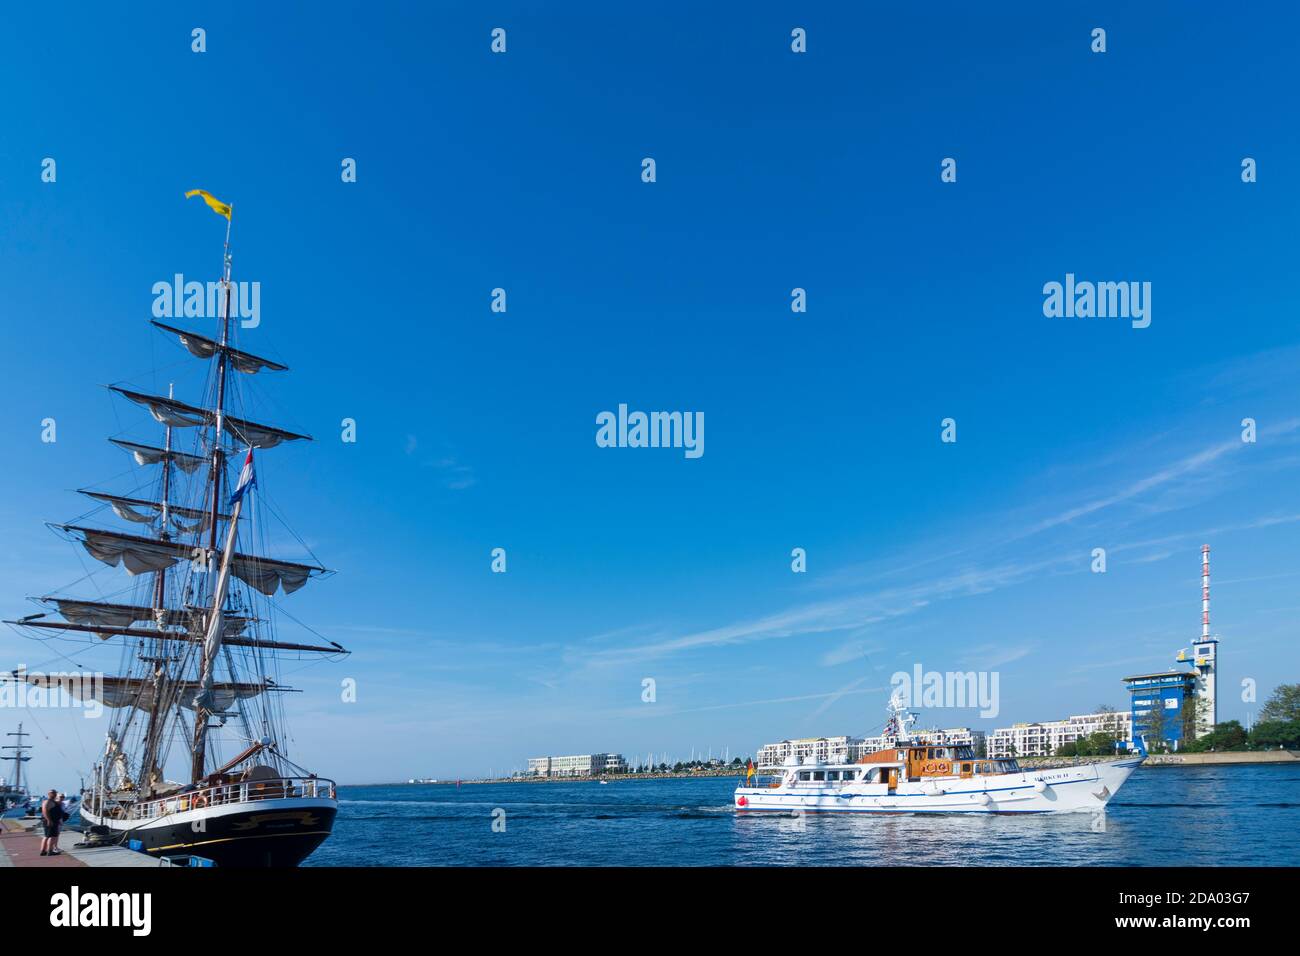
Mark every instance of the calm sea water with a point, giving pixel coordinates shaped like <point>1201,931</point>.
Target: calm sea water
<point>1175,816</point>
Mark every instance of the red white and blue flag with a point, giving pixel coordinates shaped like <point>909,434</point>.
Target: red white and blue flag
<point>247,478</point>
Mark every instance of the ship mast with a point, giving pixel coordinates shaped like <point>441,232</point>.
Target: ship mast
<point>18,758</point>
<point>160,577</point>
<point>159,608</point>
<point>201,708</point>
<point>901,719</point>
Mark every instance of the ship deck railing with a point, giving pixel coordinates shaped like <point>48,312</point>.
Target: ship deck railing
<point>225,794</point>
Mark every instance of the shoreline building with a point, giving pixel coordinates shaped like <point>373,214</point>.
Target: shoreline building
<point>811,749</point>
<point>1042,739</point>
<point>576,765</point>
<point>844,749</point>
<point>1176,704</point>
<point>1159,706</point>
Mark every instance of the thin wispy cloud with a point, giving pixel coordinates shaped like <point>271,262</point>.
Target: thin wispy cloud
<point>870,609</point>
<point>734,705</point>
<point>853,650</point>
<point>455,474</point>
<point>1184,467</point>
<point>834,698</point>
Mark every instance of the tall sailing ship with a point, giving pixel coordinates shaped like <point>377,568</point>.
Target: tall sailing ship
<point>200,682</point>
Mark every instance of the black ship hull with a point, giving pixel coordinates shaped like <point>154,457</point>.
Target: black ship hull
<point>269,833</point>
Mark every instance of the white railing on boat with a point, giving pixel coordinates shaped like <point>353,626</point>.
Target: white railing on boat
<point>275,788</point>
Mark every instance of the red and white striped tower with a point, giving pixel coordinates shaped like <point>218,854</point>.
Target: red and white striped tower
<point>1206,657</point>
<point>1205,592</point>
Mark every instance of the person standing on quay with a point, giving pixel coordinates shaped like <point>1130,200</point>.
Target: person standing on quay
<point>52,817</point>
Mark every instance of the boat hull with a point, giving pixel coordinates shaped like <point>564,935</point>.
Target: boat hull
<point>1083,789</point>
<point>268,833</point>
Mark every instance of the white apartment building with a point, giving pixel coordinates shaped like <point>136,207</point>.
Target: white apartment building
<point>576,765</point>
<point>847,749</point>
<point>1043,739</point>
<point>823,749</point>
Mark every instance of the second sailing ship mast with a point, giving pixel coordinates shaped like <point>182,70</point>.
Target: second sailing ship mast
<point>19,758</point>
<point>159,659</point>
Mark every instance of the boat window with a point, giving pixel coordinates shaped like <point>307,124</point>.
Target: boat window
<point>819,775</point>
<point>804,775</point>
<point>850,775</point>
<point>965,768</point>
<point>832,775</point>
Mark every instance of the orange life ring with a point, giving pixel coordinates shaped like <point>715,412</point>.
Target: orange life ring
<point>199,802</point>
<point>931,767</point>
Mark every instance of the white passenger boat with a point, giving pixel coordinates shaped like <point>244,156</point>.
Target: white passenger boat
<point>913,777</point>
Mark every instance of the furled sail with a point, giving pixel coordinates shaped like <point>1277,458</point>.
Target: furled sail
<point>123,509</point>
<point>266,576</point>
<point>126,508</point>
<point>201,346</point>
<point>192,528</point>
<point>140,555</point>
<point>193,636</point>
<point>260,436</point>
<point>104,614</point>
<point>168,411</point>
<point>101,614</point>
<point>149,455</point>
<point>138,692</point>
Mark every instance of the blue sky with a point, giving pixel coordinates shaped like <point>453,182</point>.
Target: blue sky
<point>774,171</point>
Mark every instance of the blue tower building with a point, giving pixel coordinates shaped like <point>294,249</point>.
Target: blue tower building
<point>1157,706</point>
<point>1175,706</point>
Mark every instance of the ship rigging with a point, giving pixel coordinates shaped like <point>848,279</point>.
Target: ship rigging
<point>201,658</point>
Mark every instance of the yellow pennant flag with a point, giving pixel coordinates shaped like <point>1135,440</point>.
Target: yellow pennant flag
<point>215,204</point>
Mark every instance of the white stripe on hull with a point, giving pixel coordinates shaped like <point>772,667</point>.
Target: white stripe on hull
<point>208,813</point>
<point>1085,788</point>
